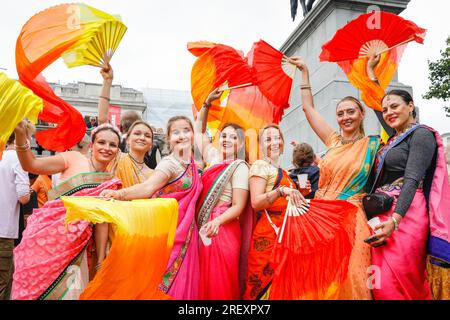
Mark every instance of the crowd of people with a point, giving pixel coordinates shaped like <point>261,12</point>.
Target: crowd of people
<point>230,212</point>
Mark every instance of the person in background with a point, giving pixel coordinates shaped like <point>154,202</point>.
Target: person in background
<point>41,187</point>
<point>14,190</point>
<point>304,158</point>
<point>92,123</point>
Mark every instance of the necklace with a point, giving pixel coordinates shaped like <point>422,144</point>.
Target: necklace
<point>406,128</point>
<point>93,166</point>
<point>132,158</point>
<point>271,163</point>
<point>347,141</point>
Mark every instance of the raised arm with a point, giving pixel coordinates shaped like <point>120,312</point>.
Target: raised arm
<point>318,123</point>
<point>371,64</point>
<point>202,141</point>
<point>29,162</point>
<point>104,98</point>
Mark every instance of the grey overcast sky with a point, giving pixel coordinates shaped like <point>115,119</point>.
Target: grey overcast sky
<point>153,51</point>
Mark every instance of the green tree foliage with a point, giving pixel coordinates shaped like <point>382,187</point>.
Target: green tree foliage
<point>440,77</point>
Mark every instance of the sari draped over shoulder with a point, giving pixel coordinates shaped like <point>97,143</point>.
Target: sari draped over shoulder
<point>223,264</point>
<point>344,173</point>
<point>260,269</point>
<point>52,253</point>
<point>181,278</point>
<point>425,229</point>
<point>128,171</point>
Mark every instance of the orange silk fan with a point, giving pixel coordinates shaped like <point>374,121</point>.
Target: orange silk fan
<point>313,249</point>
<point>371,34</point>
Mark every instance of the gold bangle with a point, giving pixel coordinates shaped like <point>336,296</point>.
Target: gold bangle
<point>22,148</point>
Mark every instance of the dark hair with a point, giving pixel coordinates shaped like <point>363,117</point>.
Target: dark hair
<point>138,123</point>
<point>360,106</point>
<point>241,137</point>
<point>127,119</point>
<point>303,155</point>
<point>11,138</point>
<point>104,127</point>
<point>404,95</point>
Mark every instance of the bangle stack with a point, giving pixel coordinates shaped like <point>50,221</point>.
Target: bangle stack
<point>22,148</point>
<point>395,223</point>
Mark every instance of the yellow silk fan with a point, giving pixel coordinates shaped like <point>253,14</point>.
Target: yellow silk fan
<point>16,103</point>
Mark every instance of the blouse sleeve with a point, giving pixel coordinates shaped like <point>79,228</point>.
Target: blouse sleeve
<point>168,167</point>
<point>240,177</point>
<point>259,169</point>
<point>422,147</point>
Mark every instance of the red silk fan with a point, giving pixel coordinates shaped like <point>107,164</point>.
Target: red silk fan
<point>313,249</point>
<point>274,74</point>
<point>370,34</point>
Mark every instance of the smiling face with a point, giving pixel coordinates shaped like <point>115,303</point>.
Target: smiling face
<point>229,142</point>
<point>396,112</point>
<point>181,135</point>
<point>105,146</point>
<point>349,117</point>
<point>272,143</point>
<point>140,138</point>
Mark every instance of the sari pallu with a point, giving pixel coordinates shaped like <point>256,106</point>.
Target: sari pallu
<point>51,261</point>
<point>181,279</point>
<point>436,203</point>
<point>344,174</point>
<point>260,269</point>
<point>223,264</point>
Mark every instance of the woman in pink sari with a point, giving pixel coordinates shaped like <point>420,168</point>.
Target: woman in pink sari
<point>176,176</point>
<point>411,169</point>
<point>224,215</point>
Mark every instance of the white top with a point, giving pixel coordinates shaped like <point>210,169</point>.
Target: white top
<point>14,184</point>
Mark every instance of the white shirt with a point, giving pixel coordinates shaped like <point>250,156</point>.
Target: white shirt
<point>14,183</point>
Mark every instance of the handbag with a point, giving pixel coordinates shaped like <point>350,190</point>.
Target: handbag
<point>376,203</point>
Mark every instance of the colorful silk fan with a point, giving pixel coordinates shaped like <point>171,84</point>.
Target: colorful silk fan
<point>313,249</point>
<point>141,248</point>
<point>371,34</point>
<point>274,74</point>
<point>16,103</point>
<point>81,35</point>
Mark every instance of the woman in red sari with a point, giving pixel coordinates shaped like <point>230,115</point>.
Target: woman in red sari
<point>269,185</point>
<point>224,216</point>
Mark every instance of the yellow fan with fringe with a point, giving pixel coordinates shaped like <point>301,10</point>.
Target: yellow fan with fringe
<point>141,248</point>
<point>16,103</point>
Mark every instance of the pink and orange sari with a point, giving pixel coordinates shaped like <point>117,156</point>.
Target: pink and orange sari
<point>51,252</point>
<point>223,264</point>
<point>402,260</point>
<point>181,279</point>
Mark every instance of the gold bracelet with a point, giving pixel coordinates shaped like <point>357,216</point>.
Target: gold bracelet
<point>23,148</point>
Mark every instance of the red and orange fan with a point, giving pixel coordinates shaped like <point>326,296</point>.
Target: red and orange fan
<point>376,33</point>
<point>313,249</point>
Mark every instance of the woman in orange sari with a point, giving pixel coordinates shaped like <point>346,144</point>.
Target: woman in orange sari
<point>269,185</point>
<point>344,172</point>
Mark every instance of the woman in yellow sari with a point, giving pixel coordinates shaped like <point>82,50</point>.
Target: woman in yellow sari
<point>344,172</point>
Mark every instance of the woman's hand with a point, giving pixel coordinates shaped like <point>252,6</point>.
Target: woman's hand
<point>298,62</point>
<point>214,95</point>
<point>212,227</point>
<point>295,195</point>
<point>387,229</point>
<point>21,128</point>
<point>307,189</point>
<point>107,74</point>
<point>371,64</point>
<point>112,194</point>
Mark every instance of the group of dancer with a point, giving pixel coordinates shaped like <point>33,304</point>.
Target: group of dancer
<point>230,213</point>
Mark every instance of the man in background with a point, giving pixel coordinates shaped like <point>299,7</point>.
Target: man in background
<point>14,190</point>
